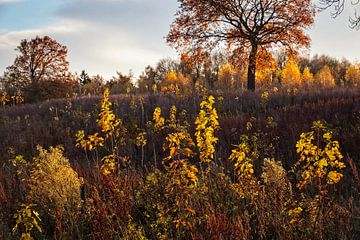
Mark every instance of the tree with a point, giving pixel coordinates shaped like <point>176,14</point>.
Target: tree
<point>174,82</point>
<point>121,83</point>
<point>146,80</point>
<point>84,78</point>
<point>307,77</point>
<point>339,6</point>
<point>226,77</point>
<point>246,26</point>
<point>324,77</point>
<point>291,75</point>
<point>267,67</point>
<point>315,64</point>
<point>352,76</point>
<point>41,59</point>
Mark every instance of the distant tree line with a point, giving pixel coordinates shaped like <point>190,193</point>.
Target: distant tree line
<point>41,71</point>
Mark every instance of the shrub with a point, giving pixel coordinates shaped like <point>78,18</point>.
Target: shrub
<point>55,187</point>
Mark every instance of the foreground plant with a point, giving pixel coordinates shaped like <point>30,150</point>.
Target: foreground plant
<point>320,165</point>
<point>206,125</point>
<point>320,157</point>
<point>27,222</point>
<point>112,131</point>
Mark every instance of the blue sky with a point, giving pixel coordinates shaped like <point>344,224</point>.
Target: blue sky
<point>105,36</point>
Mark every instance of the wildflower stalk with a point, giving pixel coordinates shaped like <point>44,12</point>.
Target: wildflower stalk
<point>206,125</point>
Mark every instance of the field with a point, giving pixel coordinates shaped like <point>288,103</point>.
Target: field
<point>270,164</point>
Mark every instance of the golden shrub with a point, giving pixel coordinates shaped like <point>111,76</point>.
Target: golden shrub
<point>53,184</point>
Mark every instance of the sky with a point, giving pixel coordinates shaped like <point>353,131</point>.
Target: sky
<point>106,36</point>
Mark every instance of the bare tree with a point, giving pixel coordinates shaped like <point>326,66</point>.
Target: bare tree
<point>339,6</point>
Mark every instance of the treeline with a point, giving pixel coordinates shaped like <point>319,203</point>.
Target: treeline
<point>177,76</point>
<point>44,74</point>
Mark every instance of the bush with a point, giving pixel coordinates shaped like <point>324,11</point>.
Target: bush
<point>55,187</point>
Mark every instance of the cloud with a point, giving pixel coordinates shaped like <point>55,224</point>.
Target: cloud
<point>10,40</point>
<point>99,47</point>
<point>9,1</point>
<point>105,36</point>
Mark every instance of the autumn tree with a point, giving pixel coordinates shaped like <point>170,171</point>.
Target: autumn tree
<point>121,83</point>
<point>290,74</point>
<point>174,82</point>
<point>226,77</point>
<point>324,77</point>
<point>267,67</point>
<point>245,26</point>
<point>41,63</point>
<point>352,76</point>
<point>307,77</point>
<point>192,66</point>
<point>316,63</point>
<point>147,80</point>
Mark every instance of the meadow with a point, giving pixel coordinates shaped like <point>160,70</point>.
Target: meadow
<point>270,164</point>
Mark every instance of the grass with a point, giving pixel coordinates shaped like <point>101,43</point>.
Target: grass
<point>135,202</point>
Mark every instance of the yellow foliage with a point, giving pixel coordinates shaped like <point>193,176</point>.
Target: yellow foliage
<point>321,164</point>
<point>107,120</point>
<point>157,119</point>
<point>265,98</point>
<point>91,143</point>
<point>27,219</point>
<point>183,175</point>
<point>206,125</point>
<point>108,165</point>
<point>6,99</point>
<point>307,77</point>
<point>244,168</point>
<point>179,145</point>
<point>226,76</point>
<point>112,129</point>
<point>324,77</point>
<point>174,81</point>
<point>266,66</point>
<point>243,165</point>
<point>352,76</point>
<point>291,75</point>
<point>295,214</point>
<point>53,184</point>
<point>140,139</point>
<point>171,77</point>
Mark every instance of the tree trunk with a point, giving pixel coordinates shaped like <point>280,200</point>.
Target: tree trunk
<point>252,67</point>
